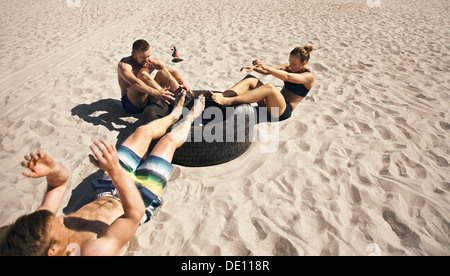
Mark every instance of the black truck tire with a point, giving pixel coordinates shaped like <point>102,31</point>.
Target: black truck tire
<point>221,135</point>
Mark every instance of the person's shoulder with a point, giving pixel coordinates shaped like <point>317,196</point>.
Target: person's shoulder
<point>309,74</point>
<point>126,63</point>
<point>127,59</point>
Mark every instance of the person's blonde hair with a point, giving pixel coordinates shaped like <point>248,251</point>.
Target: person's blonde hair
<point>28,236</point>
<point>302,52</point>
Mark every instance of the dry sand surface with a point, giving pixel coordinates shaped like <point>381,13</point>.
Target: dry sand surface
<point>362,167</point>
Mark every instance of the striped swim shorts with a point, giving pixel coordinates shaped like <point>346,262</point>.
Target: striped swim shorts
<point>150,175</point>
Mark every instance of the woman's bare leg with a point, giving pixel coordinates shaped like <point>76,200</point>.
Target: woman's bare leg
<point>267,95</point>
<point>248,83</point>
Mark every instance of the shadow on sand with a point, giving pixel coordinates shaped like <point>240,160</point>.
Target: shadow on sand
<point>110,114</point>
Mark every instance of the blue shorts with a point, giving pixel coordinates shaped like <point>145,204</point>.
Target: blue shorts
<point>130,107</point>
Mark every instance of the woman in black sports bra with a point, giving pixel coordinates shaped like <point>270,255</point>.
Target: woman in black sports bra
<point>298,81</point>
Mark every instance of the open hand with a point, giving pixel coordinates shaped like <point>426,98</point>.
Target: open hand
<point>166,96</point>
<point>249,68</point>
<point>40,164</point>
<point>259,63</point>
<point>187,88</point>
<point>105,156</point>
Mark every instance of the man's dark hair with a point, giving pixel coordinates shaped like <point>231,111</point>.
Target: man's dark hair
<point>140,46</point>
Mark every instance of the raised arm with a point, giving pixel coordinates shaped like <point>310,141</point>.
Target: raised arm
<point>280,72</point>
<point>42,165</point>
<point>263,71</point>
<point>124,228</point>
<point>251,68</point>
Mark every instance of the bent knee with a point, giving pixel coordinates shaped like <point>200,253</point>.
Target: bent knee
<point>252,81</point>
<point>144,75</point>
<point>163,72</point>
<point>271,87</point>
<point>175,139</point>
<point>250,76</point>
<point>145,131</point>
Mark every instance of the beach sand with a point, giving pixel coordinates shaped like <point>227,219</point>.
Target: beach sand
<point>362,167</point>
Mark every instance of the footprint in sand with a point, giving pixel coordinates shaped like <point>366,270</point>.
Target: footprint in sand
<point>406,235</point>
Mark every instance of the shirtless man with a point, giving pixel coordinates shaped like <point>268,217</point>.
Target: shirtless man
<point>106,225</point>
<point>137,85</point>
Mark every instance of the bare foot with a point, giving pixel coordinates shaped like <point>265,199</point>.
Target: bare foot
<point>198,108</point>
<point>218,98</point>
<point>178,106</point>
<point>181,130</point>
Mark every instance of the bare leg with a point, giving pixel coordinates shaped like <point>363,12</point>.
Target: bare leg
<point>167,146</point>
<point>140,99</point>
<point>148,80</point>
<point>140,140</point>
<point>248,83</point>
<point>267,95</point>
<point>165,79</point>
